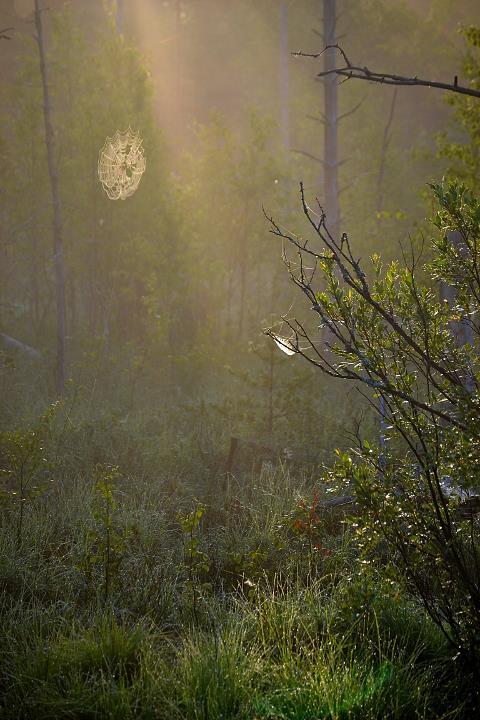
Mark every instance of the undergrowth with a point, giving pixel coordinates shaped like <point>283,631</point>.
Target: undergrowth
<point>162,594</point>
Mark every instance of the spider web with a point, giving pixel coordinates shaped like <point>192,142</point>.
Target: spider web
<point>121,164</point>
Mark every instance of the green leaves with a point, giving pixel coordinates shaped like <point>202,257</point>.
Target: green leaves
<point>189,522</point>
<point>196,562</point>
<point>25,470</point>
<point>106,540</point>
<point>418,358</point>
<point>463,156</point>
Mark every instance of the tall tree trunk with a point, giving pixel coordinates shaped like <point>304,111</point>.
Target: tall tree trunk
<point>34,259</point>
<point>284,76</point>
<point>177,77</point>
<point>119,18</point>
<point>57,209</point>
<point>242,262</point>
<point>243,282</point>
<point>330,155</point>
<point>72,320</point>
<point>35,294</point>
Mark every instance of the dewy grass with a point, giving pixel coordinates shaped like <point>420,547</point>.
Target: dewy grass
<point>275,636</point>
<point>337,692</point>
<point>309,670</point>
<point>217,674</point>
<point>85,673</point>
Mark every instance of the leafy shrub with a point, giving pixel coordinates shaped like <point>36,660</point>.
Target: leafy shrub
<point>417,358</point>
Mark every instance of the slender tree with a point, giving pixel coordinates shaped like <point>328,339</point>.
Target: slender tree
<point>329,119</point>
<point>330,154</point>
<point>284,75</point>
<point>57,208</point>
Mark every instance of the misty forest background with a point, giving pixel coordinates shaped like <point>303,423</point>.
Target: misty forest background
<point>162,553</point>
<point>167,294</point>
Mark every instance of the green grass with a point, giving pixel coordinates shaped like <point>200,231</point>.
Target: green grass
<point>249,661</point>
<point>265,630</point>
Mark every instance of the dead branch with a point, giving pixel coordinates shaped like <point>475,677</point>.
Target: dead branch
<point>349,70</point>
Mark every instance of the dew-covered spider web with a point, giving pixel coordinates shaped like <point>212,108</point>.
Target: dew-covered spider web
<point>121,164</point>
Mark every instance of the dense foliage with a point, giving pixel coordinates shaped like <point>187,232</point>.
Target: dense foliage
<point>419,356</point>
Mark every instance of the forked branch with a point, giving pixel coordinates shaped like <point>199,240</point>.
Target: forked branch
<point>349,70</point>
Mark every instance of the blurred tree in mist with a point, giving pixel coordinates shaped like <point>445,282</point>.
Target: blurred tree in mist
<point>167,288</point>
<point>226,181</point>
<point>58,255</point>
<point>381,186</point>
<point>114,252</point>
<point>461,146</point>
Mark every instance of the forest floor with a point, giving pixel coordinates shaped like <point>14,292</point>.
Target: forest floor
<point>174,591</point>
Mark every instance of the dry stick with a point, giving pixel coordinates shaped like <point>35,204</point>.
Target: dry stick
<point>231,455</point>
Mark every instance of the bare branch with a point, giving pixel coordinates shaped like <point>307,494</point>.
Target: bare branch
<point>4,31</point>
<point>349,70</point>
<point>309,155</point>
<point>353,110</point>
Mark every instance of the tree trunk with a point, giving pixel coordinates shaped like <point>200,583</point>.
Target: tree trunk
<point>35,293</point>
<point>57,209</point>
<point>119,19</point>
<point>242,262</point>
<point>284,76</point>
<point>177,101</point>
<point>243,282</point>
<point>330,155</point>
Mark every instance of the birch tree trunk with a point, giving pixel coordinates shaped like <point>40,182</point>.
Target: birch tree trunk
<point>330,155</point>
<point>57,209</point>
